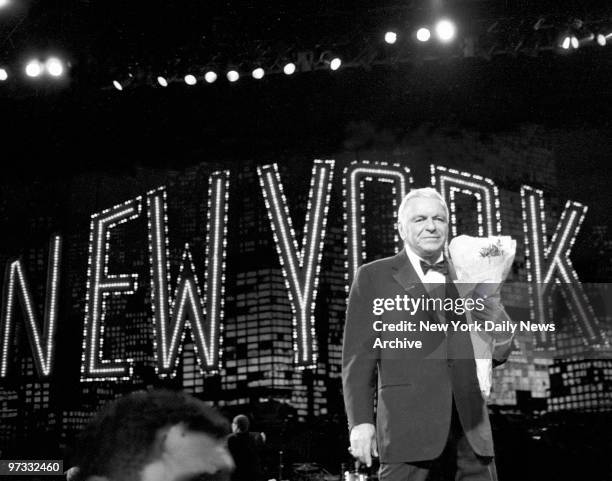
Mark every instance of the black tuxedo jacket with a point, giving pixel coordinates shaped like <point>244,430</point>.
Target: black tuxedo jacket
<point>415,387</point>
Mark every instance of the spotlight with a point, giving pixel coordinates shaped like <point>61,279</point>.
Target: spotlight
<point>569,41</point>
<point>210,76</point>
<point>335,63</point>
<point>123,81</point>
<point>162,81</point>
<point>565,43</point>
<point>54,67</point>
<point>327,59</point>
<point>423,34</point>
<point>3,74</point>
<point>33,68</point>
<point>190,79</point>
<point>576,35</point>
<point>4,3</point>
<point>446,30</point>
<point>390,37</point>
<point>258,73</point>
<point>289,68</point>
<point>574,41</point>
<point>233,75</point>
<point>585,37</point>
<point>603,36</point>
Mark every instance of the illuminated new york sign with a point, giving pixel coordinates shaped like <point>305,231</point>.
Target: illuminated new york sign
<point>179,304</point>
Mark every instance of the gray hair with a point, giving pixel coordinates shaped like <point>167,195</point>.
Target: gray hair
<point>425,192</point>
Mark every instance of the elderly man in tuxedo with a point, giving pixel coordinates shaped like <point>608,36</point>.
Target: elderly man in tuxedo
<point>429,408</point>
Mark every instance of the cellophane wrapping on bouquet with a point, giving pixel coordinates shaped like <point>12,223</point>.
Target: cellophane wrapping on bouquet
<point>482,265</point>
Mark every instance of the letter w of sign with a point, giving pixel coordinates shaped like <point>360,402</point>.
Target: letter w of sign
<point>188,308</point>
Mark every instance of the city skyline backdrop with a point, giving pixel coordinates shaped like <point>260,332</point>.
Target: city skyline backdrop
<point>257,372</point>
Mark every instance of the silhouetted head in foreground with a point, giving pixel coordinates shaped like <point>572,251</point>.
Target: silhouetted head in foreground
<point>154,436</point>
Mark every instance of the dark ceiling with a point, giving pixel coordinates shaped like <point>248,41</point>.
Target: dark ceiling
<point>86,125</point>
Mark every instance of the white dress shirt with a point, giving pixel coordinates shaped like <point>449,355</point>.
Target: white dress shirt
<point>483,349</point>
<point>432,277</point>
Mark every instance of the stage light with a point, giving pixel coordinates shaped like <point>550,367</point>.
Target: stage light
<point>423,34</point>
<point>390,37</point>
<point>123,81</point>
<point>328,58</point>
<point>289,68</point>
<point>33,68</point>
<point>258,73</point>
<point>574,41</point>
<point>565,43</point>
<point>162,81</point>
<point>446,30</point>
<point>190,79</point>
<point>210,76</point>
<point>233,75</point>
<point>3,74</point>
<point>569,40</point>
<point>4,3</point>
<point>54,67</point>
<point>602,38</point>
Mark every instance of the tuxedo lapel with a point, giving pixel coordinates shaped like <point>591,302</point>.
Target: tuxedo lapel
<point>452,273</point>
<point>451,288</point>
<point>406,276</point>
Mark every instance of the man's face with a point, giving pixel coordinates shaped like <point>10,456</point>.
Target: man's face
<point>189,456</point>
<point>424,227</point>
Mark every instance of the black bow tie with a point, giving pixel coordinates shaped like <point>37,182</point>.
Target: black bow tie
<point>441,267</point>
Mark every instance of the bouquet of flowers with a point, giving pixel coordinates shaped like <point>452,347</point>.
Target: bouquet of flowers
<point>482,260</point>
<point>482,265</point>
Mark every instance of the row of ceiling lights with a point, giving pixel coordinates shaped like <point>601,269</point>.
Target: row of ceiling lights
<point>52,67</point>
<point>571,41</point>
<point>232,75</point>
<point>445,31</point>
